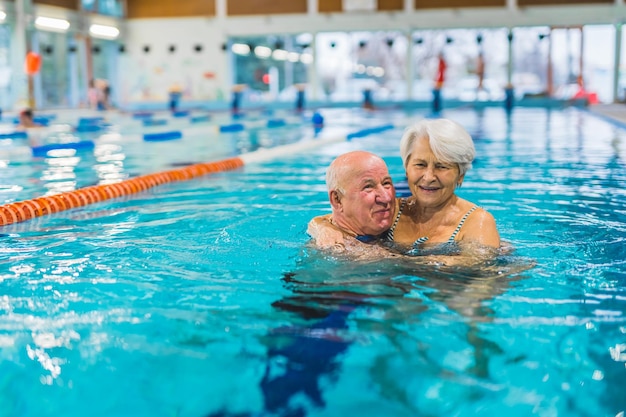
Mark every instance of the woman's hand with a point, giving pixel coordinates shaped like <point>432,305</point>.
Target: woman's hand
<point>324,234</point>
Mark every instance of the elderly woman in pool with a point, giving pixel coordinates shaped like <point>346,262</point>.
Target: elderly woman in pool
<point>436,154</point>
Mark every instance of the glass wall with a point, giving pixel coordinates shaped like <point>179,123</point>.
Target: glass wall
<point>62,81</point>
<point>566,61</point>
<point>621,86</point>
<point>562,63</point>
<point>113,8</point>
<point>52,85</point>
<point>599,60</point>
<point>531,47</point>
<point>104,58</point>
<point>348,64</point>
<point>271,67</point>
<point>475,60</point>
<point>426,47</point>
<point>546,62</point>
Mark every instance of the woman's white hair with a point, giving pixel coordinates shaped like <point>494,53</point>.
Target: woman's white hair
<point>448,140</point>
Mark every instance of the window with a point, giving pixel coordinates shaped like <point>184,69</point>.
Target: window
<point>113,8</point>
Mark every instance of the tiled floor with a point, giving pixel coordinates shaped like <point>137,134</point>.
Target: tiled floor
<point>616,111</point>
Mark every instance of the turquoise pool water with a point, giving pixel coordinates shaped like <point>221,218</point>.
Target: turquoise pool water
<point>202,298</point>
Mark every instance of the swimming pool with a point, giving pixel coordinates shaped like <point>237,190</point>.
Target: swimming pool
<point>201,298</point>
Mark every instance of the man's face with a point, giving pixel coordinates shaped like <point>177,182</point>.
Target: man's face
<point>366,205</point>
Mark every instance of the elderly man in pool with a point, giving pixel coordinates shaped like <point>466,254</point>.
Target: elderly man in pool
<point>436,154</point>
<point>363,202</point>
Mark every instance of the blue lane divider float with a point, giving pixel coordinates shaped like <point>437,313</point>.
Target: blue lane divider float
<point>44,149</point>
<point>200,119</point>
<point>43,121</point>
<point>369,131</point>
<point>235,127</point>
<point>182,113</point>
<point>90,120</point>
<point>161,136</point>
<point>48,116</point>
<point>18,134</point>
<point>154,122</point>
<point>317,120</point>
<point>89,128</point>
<point>276,123</point>
<point>142,115</point>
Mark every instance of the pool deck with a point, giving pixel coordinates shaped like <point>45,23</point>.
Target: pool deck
<point>615,112</point>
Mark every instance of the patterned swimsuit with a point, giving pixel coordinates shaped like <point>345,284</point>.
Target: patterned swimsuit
<point>416,245</point>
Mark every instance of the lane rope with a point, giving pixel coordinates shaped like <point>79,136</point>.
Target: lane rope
<point>28,209</point>
<point>21,211</point>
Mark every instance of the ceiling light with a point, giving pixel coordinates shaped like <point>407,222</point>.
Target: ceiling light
<point>51,23</point>
<point>279,54</point>
<point>262,52</point>
<point>103,31</point>
<point>240,48</point>
<point>3,15</point>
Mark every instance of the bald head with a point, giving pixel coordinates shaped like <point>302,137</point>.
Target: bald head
<point>346,166</point>
<point>361,193</point>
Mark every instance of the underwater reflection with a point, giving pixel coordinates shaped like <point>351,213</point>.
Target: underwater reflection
<point>335,303</point>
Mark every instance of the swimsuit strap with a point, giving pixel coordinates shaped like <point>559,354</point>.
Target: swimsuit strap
<point>458,228</point>
<point>389,233</point>
<point>366,238</point>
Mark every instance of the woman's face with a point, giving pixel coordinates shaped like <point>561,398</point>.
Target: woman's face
<point>432,182</point>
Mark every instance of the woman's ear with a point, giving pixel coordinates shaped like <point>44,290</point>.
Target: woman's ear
<point>459,181</point>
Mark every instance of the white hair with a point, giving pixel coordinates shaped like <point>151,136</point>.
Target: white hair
<point>448,140</point>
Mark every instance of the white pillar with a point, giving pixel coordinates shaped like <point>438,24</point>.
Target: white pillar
<point>20,45</point>
<point>509,73</point>
<point>312,10</point>
<point>618,58</point>
<point>223,67</point>
<point>220,9</point>
<point>409,65</point>
<point>313,78</point>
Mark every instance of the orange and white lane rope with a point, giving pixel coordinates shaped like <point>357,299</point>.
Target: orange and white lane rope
<point>29,209</point>
<point>25,210</point>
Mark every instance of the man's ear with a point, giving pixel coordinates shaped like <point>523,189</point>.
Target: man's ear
<point>335,199</point>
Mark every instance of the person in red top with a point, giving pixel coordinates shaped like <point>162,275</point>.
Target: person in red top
<point>583,94</point>
<point>441,72</point>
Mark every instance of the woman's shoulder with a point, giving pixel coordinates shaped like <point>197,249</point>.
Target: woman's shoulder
<point>474,211</point>
<point>466,206</point>
<point>483,215</point>
<point>480,225</point>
